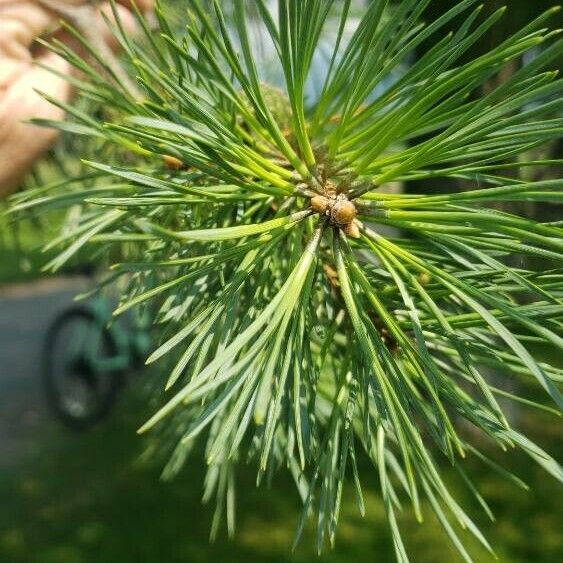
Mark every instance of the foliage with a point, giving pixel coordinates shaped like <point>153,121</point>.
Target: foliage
<point>298,327</point>
<point>93,502</point>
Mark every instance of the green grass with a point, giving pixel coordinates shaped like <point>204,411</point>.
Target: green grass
<point>87,498</point>
<point>21,257</point>
<point>23,235</point>
<point>22,253</point>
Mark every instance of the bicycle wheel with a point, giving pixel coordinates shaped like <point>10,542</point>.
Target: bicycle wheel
<point>80,384</point>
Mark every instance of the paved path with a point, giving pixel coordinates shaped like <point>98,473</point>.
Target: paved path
<point>26,311</point>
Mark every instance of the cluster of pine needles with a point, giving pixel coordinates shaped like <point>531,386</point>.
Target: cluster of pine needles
<point>307,315</point>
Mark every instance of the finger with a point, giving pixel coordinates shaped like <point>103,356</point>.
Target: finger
<point>23,143</point>
<point>143,5</point>
<point>126,19</point>
<point>98,25</point>
<point>20,23</point>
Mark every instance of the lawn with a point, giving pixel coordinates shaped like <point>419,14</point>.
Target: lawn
<point>23,253</point>
<point>89,498</point>
<point>21,256</point>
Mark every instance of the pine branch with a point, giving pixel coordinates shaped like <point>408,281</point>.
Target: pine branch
<point>252,222</point>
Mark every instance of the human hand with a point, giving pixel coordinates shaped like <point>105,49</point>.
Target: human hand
<point>21,23</point>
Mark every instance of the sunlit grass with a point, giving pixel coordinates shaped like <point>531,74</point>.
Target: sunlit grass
<point>85,498</point>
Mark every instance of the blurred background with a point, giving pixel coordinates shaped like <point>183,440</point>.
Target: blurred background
<point>94,494</point>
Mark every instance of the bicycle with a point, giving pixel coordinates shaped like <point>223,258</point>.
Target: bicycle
<point>86,358</point>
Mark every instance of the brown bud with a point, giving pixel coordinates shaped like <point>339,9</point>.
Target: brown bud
<point>343,212</point>
<point>424,278</point>
<point>319,204</point>
<point>172,162</point>
<point>352,230</point>
<point>330,189</point>
<point>332,275</point>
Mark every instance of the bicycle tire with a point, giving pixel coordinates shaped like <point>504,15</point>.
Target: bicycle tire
<point>51,384</point>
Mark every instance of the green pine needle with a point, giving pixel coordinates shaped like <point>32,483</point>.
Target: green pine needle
<point>253,222</point>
